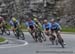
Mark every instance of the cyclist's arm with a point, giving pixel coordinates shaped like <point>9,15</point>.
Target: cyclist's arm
<point>43,26</point>
<point>27,25</point>
<point>59,26</point>
<point>11,23</point>
<point>18,23</point>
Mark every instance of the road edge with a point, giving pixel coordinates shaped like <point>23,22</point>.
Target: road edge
<point>4,42</point>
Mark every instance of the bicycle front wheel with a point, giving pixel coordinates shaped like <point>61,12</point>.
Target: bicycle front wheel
<point>21,35</point>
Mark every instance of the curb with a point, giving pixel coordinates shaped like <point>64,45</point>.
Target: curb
<point>4,42</point>
<point>61,32</point>
<point>68,32</point>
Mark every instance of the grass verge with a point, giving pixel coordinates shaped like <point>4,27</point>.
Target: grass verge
<point>2,39</point>
<point>64,29</point>
<point>68,29</point>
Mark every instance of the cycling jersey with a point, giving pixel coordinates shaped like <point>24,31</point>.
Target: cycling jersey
<point>55,26</point>
<point>38,24</point>
<point>14,24</point>
<point>30,24</point>
<point>47,26</point>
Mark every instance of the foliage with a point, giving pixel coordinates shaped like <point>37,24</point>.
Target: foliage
<point>2,39</point>
<point>68,29</point>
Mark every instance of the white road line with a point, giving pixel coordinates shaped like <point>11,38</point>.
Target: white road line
<point>26,43</point>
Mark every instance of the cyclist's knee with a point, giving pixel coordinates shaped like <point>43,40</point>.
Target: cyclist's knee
<point>58,33</point>
<point>53,36</point>
<point>59,36</point>
<point>47,33</point>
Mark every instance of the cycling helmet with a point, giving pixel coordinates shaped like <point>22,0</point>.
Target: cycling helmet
<point>35,19</point>
<point>52,20</point>
<point>45,21</point>
<point>14,19</point>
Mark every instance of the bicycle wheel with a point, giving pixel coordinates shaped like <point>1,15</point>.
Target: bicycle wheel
<point>36,37</point>
<point>43,36</point>
<point>21,35</point>
<point>32,35</point>
<point>61,42</point>
<point>52,40</point>
<point>16,34</point>
<point>7,31</point>
<point>2,31</point>
<point>40,40</point>
<point>39,36</point>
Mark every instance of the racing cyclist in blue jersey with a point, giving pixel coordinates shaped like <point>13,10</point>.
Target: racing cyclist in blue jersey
<point>31,26</point>
<point>47,28</point>
<point>56,28</point>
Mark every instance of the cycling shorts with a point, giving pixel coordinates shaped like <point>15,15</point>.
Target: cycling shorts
<point>15,25</point>
<point>55,30</point>
<point>47,29</point>
<point>31,27</point>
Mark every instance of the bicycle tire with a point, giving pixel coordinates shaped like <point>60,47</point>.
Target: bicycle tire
<point>16,33</point>
<point>43,36</point>
<point>7,32</point>
<point>61,43</point>
<point>22,36</point>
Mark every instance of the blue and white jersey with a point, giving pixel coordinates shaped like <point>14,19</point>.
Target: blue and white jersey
<point>31,23</point>
<point>14,23</point>
<point>55,25</point>
<point>48,25</point>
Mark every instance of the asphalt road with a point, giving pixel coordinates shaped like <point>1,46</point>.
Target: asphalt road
<point>28,46</point>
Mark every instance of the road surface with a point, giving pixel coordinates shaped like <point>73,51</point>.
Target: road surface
<point>28,46</point>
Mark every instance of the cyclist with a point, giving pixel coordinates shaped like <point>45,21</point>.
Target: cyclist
<point>36,21</point>
<point>47,27</point>
<point>56,28</point>
<point>2,22</point>
<point>38,24</point>
<point>30,26</point>
<point>3,25</point>
<point>14,23</point>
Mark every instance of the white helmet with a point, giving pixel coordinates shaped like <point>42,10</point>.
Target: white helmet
<point>45,21</point>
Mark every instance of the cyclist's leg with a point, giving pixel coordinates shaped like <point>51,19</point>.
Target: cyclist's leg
<point>31,31</point>
<point>59,35</point>
<point>47,32</point>
<point>52,38</point>
<point>52,35</point>
<point>2,29</point>
<point>13,29</point>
